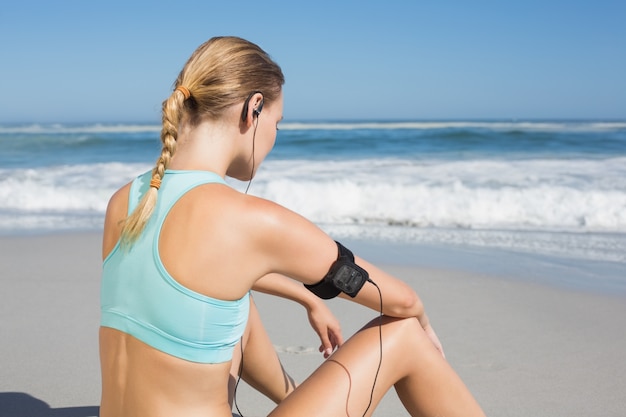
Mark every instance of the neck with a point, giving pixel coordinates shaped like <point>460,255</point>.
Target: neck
<point>208,146</point>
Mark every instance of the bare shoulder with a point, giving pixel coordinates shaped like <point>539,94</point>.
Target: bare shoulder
<point>234,204</point>
<point>266,219</point>
<point>265,236</point>
<point>117,211</point>
<point>246,216</point>
<point>293,245</point>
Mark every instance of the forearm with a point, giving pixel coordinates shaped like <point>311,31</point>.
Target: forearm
<point>284,287</point>
<point>399,299</point>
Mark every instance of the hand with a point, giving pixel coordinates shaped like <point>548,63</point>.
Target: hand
<point>326,326</point>
<point>430,332</point>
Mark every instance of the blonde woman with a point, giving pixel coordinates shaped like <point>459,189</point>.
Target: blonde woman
<point>182,251</point>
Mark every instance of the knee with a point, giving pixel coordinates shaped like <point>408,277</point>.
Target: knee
<point>404,333</point>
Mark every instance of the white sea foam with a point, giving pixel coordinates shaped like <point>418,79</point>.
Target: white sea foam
<point>531,126</point>
<point>575,195</point>
<point>78,129</point>
<point>569,206</point>
<point>524,195</point>
<point>59,191</point>
<point>499,125</point>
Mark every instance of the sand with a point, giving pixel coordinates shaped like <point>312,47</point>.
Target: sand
<point>524,347</point>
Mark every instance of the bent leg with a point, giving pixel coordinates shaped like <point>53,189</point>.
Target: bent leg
<point>262,369</point>
<point>425,382</point>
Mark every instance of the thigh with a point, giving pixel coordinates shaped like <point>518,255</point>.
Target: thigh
<point>345,383</point>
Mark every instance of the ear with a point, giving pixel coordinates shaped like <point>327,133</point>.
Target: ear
<point>252,107</point>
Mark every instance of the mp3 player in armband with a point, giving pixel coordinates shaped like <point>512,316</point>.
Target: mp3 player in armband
<point>344,276</point>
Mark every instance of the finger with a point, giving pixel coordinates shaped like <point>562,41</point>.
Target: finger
<point>338,337</point>
<point>327,346</point>
<point>333,343</point>
<point>335,337</point>
<point>326,351</point>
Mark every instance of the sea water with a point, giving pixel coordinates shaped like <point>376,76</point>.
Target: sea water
<point>544,187</point>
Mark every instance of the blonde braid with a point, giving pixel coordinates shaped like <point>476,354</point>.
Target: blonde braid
<point>171,115</point>
<point>219,74</point>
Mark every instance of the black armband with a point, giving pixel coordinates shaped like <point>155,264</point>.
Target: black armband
<point>344,276</point>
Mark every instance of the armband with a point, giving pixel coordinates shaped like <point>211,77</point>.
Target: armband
<point>343,276</point>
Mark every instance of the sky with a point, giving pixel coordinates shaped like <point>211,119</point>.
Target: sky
<point>115,61</point>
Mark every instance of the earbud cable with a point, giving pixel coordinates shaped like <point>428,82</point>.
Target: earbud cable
<point>380,345</point>
<point>253,142</point>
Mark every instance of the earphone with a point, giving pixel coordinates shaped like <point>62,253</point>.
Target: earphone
<point>256,112</point>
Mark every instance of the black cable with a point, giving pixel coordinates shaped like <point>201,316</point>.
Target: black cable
<point>238,379</point>
<point>247,188</point>
<point>253,142</point>
<point>380,358</point>
<point>380,345</point>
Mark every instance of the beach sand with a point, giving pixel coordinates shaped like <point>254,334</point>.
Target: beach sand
<point>524,347</point>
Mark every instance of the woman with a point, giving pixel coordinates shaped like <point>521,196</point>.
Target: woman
<point>182,251</point>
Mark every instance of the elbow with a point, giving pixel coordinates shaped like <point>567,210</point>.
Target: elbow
<point>408,304</point>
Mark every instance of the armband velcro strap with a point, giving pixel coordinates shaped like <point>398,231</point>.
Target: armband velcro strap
<point>344,276</point>
<point>324,289</point>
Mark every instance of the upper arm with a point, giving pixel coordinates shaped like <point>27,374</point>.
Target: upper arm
<point>292,245</point>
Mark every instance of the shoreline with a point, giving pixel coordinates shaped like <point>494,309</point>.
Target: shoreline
<point>523,344</point>
<point>567,273</point>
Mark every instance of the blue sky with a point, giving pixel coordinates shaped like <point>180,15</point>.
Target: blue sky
<point>114,61</point>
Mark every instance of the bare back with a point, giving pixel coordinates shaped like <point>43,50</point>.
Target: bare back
<point>140,380</point>
<point>217,242</point>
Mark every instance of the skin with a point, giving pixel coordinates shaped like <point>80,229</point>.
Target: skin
<point>271,243</point>
<point>262,369</point>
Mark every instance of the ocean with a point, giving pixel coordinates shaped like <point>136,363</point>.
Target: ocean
<point>545,187</point>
